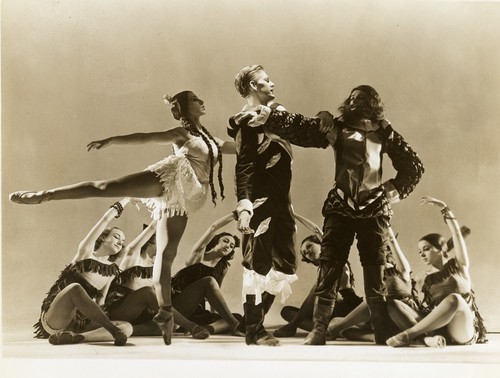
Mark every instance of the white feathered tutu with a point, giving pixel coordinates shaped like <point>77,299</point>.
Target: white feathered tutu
<point>184,177</point>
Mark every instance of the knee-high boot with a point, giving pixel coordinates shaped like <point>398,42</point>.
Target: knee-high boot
<point>382,324</point>
<point>375,290</point>
<point>326,294</point>
<point>254,322</point>
<point>321,317</point>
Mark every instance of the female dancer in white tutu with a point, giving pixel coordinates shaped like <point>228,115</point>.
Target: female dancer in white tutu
<point>174,187</point>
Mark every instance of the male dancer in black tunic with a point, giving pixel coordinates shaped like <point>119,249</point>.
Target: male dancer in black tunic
<point>263,175</point>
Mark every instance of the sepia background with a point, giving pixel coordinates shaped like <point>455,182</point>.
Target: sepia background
<point>75,71</point>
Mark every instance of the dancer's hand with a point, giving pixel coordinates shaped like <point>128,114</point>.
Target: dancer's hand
<point>135,201</point>
<point>325,121</point>
<point>384,123</point>
<point>244,223</point>
<point>258,117</point>
<point>98,144</point>
<point>432,201</point>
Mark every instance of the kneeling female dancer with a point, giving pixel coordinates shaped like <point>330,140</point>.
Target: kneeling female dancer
<point>175,186</point>
<point>453,313</point>
<point>70,313</point>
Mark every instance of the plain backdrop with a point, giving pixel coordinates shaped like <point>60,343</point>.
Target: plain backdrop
<point>76,71</point>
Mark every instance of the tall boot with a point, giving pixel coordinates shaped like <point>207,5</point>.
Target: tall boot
<point>375,291</point>
<point>254,320</point>
<point>321,317</point>
<point>382,324</point>
<point>329,276</point>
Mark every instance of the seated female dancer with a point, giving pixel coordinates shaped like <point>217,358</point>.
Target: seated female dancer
<point>71,312</point>
<point>131,296</point>
<point>356,325</point>
<point>310,249</point>
<point>201,279</point>
<point>452,312</point>
<point>174,187</point>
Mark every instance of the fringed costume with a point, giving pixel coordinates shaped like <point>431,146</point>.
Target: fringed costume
<point>449,280</point>
<point>130,280</point>
<point>82,272</point>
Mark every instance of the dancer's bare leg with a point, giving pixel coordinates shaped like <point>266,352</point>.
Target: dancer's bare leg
<point>144,184</point>
<point>453,312</point>
<point>360,314</point>
<point>402,314</point>
<point>101,334</point>
<point>73,297</point>
<point>169,231</point>
<point>134,304</point>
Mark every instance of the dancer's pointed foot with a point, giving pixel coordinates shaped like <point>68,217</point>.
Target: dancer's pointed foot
<point>199,332</point>
<point>333,331</point>
<point>30,197</point>
<point>120,337</point>
<point>400,340</point>
<point>435,341</point>
<point>268,340</point>
<point>287,330</point>
<point>165,321</point>
<point>65,337</point>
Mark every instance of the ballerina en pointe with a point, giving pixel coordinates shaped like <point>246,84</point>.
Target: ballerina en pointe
<point>165,321</point>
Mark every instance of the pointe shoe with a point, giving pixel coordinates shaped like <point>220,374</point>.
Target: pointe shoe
<point>30,197</point>
<point>285,331</point>
<point>165,321</point>
<point>65,337</point>
<point>400,340</point>
<point>435,341</point>
<point>200,333</point>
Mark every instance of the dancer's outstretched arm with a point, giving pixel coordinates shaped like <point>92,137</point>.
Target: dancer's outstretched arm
<point>402,264</point>
<point>174,135</point>
<point>461,253</point>
<point>86,247</point>
<point>310,225</point>
<point>133,250</point>
<point>198,249</point>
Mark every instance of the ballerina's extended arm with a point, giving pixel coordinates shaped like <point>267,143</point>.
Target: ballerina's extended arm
<point>133,249</point>
<point>173,135</point>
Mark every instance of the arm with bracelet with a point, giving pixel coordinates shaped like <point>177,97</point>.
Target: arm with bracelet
<point>460,247</point>
<point>86,247</point>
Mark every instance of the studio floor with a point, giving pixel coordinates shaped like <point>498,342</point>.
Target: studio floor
<point>221,356</point>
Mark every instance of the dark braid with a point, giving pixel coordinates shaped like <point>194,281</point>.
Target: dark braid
<point>219,160</point>
<point>194,131</point>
